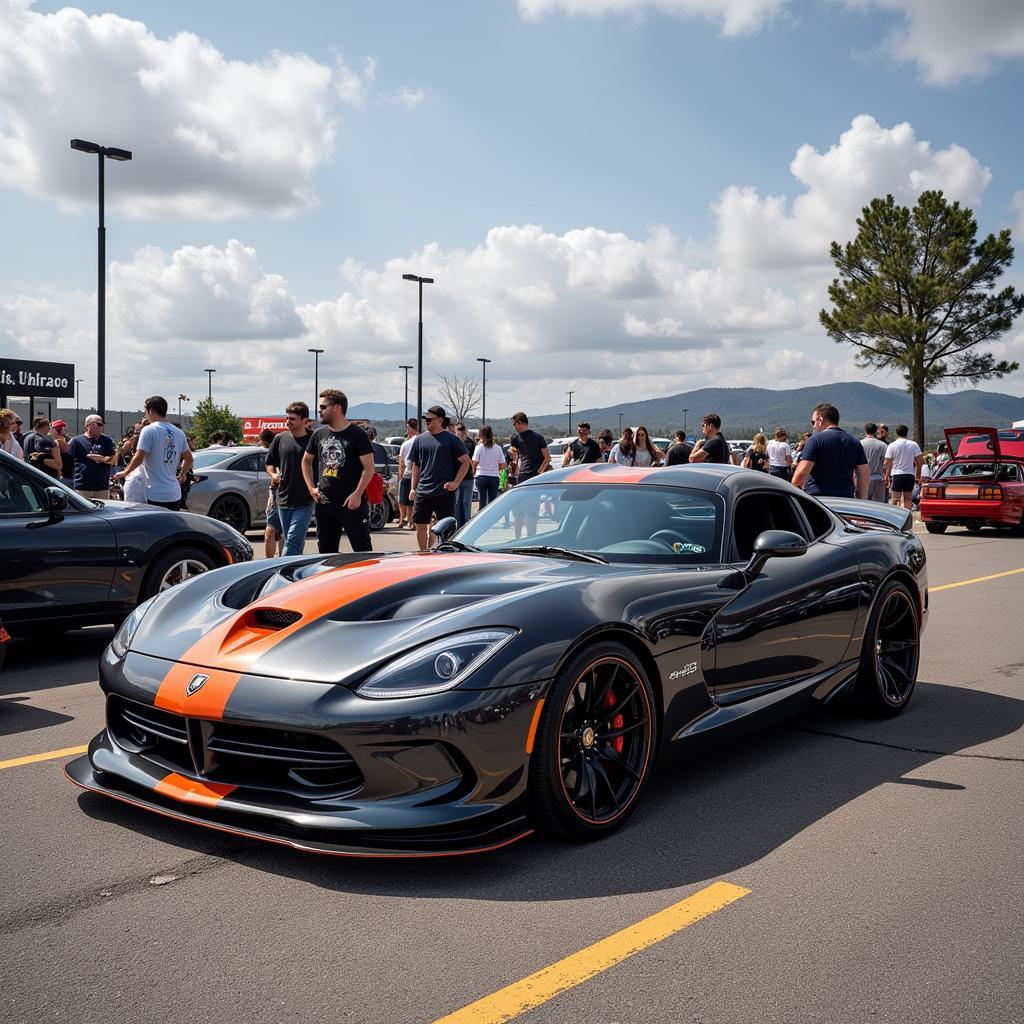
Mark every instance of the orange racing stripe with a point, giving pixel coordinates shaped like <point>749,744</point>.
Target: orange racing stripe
<point>192,791</point>
<point>232,647</point>
<point>602,473</point>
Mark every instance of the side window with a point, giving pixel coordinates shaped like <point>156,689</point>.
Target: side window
<point>819,519</point>
<point>756,513</point>
<point>17,495</point>
<point>249,463</point>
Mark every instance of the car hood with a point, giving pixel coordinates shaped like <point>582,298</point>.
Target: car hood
<point>330,619</point>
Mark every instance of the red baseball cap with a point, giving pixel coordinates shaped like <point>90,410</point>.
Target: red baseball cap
<point>59,424</point>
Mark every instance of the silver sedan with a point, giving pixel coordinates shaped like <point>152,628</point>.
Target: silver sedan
<point>231,484</point>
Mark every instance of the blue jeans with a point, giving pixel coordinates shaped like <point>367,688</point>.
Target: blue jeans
<point>295,522</point>
<point>487,488</point>
<point>464,502</point>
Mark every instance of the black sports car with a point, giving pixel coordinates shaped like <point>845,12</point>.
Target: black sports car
<point>69,561</point>
<point>454,701</point>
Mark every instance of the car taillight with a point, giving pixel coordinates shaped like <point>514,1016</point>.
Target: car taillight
<point>990,492</point>
<point>931,491</point>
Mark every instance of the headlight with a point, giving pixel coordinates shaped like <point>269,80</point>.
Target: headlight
<point>122,641</point>
<point>439,666</point>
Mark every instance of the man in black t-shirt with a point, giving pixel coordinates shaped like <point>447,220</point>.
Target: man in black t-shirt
<point>583,450</point>
<point>713,447</point>
<point>284,464</point>
<point>41,450</point>
<point>679,451</point>
<point>440,462</point>
<point>344,460</point>
<point>533,458</point>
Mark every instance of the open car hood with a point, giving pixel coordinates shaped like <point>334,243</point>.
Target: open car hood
<point>977,449</point>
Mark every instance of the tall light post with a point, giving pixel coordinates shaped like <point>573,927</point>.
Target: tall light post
<point>209,385</point>
<point>483,410</point>
<point>317,353</point>
<point>570,394</point>
<point>78,401</point>
<point>103,153</point>
<point>181,398</point>
<point>419,350</point>
<point>403,366</point>
<point>620,424</point>
<point>685,411</point>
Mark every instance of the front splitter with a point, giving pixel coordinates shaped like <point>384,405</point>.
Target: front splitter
<point>81,773</point>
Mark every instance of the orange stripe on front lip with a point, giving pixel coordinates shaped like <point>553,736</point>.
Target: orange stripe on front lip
<point>192,791</point>
<point>231,648</point>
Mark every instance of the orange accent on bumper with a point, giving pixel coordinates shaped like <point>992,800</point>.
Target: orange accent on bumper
<point>207,702</point>
<point>191,791</point>
<point>534,722</point>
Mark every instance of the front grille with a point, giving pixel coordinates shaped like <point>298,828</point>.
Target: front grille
<point>256,757</point>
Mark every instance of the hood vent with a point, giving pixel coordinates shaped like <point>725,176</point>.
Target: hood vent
<point>276,618</point>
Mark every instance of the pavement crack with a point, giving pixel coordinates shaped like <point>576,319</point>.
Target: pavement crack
<point>912,750</point>
<point>73,904</point>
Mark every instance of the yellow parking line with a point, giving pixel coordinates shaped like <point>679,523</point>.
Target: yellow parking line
<point>48,756</point>
<point>977,579</point>
<point>548,982</point>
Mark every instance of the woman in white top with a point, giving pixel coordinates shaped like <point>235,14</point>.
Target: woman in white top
<point>647,454</point>
<point>8,442</point>
<point>488,460</point>
<point>780,456</point>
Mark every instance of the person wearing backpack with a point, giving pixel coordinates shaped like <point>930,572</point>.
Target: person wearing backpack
<point>756,456</point>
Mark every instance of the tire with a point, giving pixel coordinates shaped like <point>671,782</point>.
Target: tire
<point>175,566</point>
<point>582,783</point>
<point>936,527</point>
<point>379,516</point>
<point>890,653</point>
<point>231,510</point>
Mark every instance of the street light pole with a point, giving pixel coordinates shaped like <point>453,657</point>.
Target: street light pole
<point>317,352</point>
<point>403,366</point>
<point>570,394</point>
<point>419,349</point>
<point>102,153</point>
<point>181,398</point>
<point>483,410</point>
<point>620,424</point>
<point>78,401</point>
<point>685,411</point>
<point>209,385</point>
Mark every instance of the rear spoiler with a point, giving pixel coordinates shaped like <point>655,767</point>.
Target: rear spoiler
<point>871,513</point>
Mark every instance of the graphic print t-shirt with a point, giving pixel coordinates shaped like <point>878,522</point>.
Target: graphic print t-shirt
<point>90,475</point>
<point>163,444</point>
<point>338,453</point>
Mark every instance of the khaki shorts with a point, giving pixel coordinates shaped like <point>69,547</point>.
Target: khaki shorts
<point>105,495</point>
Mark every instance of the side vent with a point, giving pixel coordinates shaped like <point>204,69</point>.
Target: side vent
<point>276,618</point>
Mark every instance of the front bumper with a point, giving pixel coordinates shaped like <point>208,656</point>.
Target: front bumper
<point>435,775</point>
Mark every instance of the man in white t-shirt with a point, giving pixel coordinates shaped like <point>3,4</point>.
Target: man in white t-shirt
<point>164,450</point>
<point>405,477</point>
<point>903,460</point>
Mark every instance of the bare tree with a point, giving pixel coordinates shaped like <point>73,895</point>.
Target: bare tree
<point>459,395</point>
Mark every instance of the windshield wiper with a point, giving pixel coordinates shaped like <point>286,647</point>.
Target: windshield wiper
<point>547,549</point>
<point>458,545</point>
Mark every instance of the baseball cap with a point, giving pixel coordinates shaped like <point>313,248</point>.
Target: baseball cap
<point>438,411</point>
<point>59,424</point>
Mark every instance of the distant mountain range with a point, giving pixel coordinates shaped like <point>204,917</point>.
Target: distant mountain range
<point>746,410</point>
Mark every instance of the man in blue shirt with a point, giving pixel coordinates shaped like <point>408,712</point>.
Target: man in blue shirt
<point>94,453</point>
<point>831,459</point>
<point>440,462</point>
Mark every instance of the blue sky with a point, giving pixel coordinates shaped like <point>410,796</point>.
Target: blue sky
<point>618,133</point>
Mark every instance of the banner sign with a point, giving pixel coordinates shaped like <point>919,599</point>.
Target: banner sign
<point>27,378</point>
<point>253,426</point>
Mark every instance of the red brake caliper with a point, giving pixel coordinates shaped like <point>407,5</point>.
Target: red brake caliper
<point>617,723</point>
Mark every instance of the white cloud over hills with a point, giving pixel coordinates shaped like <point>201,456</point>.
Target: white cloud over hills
<point>212,137</point>
<point>610,315</point>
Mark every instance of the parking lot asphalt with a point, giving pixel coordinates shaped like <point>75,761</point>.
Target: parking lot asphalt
<point>828,869</point>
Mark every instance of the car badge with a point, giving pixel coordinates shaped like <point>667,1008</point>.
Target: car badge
<point>195,683</point>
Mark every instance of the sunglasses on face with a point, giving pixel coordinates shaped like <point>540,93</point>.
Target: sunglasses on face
<point>429,419</point>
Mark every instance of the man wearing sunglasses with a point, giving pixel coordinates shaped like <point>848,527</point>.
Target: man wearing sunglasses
<point>94,453</point>
<point>440,462</point>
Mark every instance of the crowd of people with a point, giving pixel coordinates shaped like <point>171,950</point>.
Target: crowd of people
<point>327,472</point>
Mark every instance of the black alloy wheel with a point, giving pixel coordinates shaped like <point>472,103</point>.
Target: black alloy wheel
<point>595,744</point>
<point>936,527</point>
<point>231,510</point>
<point>889,657</point>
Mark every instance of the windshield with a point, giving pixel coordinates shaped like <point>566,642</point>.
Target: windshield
<point>621,523</point>
<point>203,460</point>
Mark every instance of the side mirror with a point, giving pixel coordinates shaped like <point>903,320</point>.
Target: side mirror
<point>444,528</point>
<point>773,544</point>
<point>56,502</point>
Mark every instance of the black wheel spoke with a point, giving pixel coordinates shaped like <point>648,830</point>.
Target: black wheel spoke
<point>588,768</point>
<point>625,730</point>
<point>611,713</point>
<point>599,703</point>
<point>893,646</point>
<point>609,753</point>
<point>603,775</point>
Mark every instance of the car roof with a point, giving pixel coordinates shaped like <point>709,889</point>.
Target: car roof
<point>704,477</point>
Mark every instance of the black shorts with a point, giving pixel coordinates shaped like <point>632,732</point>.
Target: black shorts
<point>901,483</point>
<point>404,487</point>
<point>441,505</point>
<point>523,477</point>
